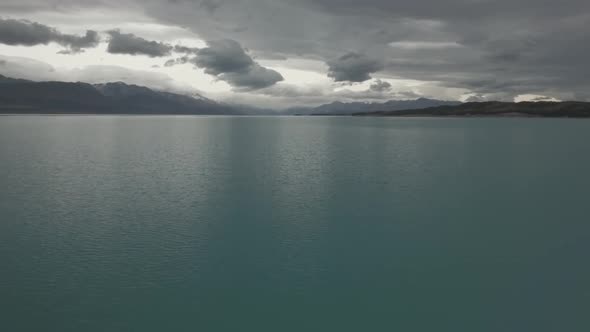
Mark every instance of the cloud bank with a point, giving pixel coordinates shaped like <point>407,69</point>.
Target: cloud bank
<point>228,61</point>
<point>353,67</point>
<point>127,43</point>
<point>491,49</point>
<point>27,33</point>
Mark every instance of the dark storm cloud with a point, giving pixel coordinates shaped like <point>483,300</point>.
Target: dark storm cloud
<point>22,32</point>
<point>27,33</point>
<point>229,62</point>
<point>524,46</point>
<point>90,39</point>
<point>449,9</point>
<point>255,77</point>
<point>452,42</point>
<point>353,67</point>
<point>222,56</point>
<point>127,43</point>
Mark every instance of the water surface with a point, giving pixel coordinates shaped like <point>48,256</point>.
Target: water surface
<point>138,223</point>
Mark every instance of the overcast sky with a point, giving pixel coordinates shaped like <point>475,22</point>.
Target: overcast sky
<point>304,52</point>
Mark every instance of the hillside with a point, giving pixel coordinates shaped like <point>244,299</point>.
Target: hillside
<point>504,109</point>
<point>28,97</point>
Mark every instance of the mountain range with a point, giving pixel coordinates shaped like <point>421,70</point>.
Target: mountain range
<point>340,108</point>
<point>18,96</point>
<point>29,97</point>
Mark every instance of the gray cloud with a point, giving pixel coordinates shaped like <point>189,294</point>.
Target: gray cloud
<point>22,32</point>
<point>448,9</point>
<point>90,39</point>
<point>452,42</point>
<point>222,56</point>
<point>255,77</point>
<point>490,48</point>
<point>126,43</point>
<point>229,62</point>
<point>19,67</point>
<point>210,5</point>
<point>185,49</point>
<point>28,6</point>
<point>27,33</point>
<point>178,61</point>
<point>284,94</point>
<point>380,86</point>
<point>353,67</point>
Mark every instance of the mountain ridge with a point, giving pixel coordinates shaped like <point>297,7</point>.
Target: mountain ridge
<point>19,96</point>
<point>574,109</point>
<point>29,97</point>
<point>342,108</point>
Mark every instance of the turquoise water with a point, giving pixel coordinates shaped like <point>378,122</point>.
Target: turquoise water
<point>294,224</point>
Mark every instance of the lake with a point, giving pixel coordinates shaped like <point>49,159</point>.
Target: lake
<point>180,223</point>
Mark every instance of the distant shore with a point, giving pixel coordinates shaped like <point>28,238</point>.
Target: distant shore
<point>570,109</point>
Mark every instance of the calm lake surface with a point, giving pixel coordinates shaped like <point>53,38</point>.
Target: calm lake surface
<point>132,223</point>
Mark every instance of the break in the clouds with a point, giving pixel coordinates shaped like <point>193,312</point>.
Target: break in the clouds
<point>491,49</point>
<point>229,62</point>
<point>127,43</point>
<point>27,33</point>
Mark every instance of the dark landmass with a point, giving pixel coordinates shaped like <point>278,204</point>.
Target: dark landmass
<point>339,108</point>
<point>28,97</point>
<point>571,109</point>
<point>19,96</point>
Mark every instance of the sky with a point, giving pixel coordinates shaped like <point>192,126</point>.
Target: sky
<point>281,53</point>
